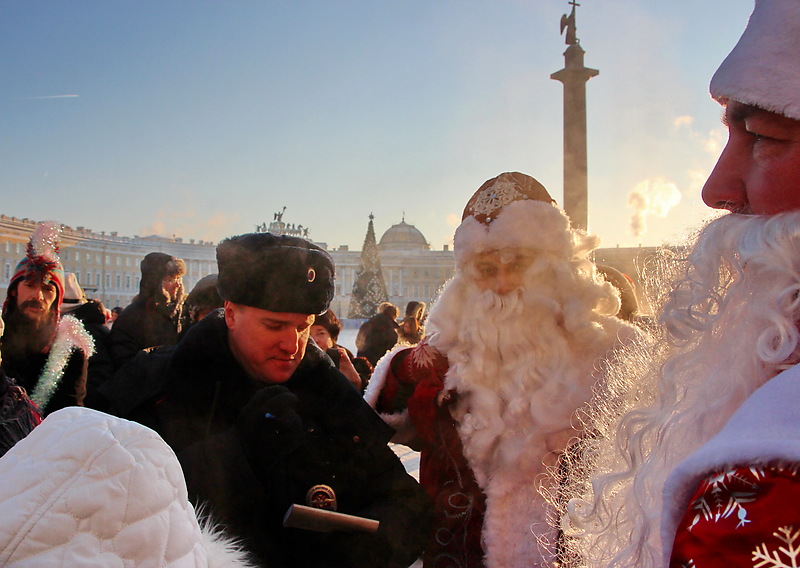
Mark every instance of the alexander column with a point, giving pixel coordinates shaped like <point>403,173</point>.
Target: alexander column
<point>574,76</point>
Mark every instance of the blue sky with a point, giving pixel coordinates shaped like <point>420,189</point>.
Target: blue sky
<point>201,119</point>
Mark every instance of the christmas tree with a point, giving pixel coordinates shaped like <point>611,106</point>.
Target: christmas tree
<point>369,289</point>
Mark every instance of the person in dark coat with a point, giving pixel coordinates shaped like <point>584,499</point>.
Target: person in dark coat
<point>92,314</point>
<point>325,333</point>
<point>202,300</point>
<point>154,317</point>
<point>378,334</point>
<point>18,415</point>
<point>261,419</point>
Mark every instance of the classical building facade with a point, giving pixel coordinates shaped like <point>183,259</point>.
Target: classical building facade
<point>107,265</point>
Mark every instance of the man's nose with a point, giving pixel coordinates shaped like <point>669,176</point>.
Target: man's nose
<point>505,283</point>
<point>290,342</point>
<point>725,188</point>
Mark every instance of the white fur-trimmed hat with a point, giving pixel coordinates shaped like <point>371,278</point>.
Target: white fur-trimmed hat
<point>763,69</point>
<point>512,210</point>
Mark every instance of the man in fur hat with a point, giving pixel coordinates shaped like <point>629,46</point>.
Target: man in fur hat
<point>154,317</point>
<point>513,347</point>
<point>45,353</point>
<point>697,460</point>
<point>262,420</point>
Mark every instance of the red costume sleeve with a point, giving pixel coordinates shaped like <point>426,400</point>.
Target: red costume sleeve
<point>428,367</point>
<point>742,517</point>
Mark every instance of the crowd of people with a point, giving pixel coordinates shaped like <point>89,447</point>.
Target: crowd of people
<point>557,426</point>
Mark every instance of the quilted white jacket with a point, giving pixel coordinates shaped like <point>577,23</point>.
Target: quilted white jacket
<point>90,490</point>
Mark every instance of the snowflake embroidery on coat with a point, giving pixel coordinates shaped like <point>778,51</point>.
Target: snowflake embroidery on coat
<point>718,501</point>
<point>424,355</point>
<point>783,555</point>
<point>495,196</point>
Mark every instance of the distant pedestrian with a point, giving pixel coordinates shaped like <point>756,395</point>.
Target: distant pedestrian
<point>114,314</point>
<point>378,334</point>
<point>203,299</point>
<point>92,314</point>
<point>411,329</point>
<point>154,317</point>
<point>325,333</point>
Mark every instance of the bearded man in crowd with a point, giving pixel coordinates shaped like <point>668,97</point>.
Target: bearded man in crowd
<point>697,459</point>
<point>514,343</point>
<point>45,353</point>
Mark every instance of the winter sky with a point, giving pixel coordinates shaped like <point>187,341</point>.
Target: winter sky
<point>201,119</point>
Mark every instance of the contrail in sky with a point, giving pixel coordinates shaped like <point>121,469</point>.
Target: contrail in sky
<point>50,97</point>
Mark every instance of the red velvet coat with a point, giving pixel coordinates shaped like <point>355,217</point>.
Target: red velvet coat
<point>417,376</point>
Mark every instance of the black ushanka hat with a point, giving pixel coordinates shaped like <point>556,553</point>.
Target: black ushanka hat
<point>278,273</point>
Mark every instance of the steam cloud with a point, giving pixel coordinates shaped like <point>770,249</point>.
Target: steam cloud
<point>651,197</point>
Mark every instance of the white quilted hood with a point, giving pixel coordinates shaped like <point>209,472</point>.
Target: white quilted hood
<point>87,489</point>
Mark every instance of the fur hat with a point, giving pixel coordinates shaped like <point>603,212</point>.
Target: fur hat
<point>278,273</point>
<point>763,69</point>
<point>512,210</point>
<point>331,323</point>
<point>155,267</point>
<point>41,261</point>
<point>205,294</point>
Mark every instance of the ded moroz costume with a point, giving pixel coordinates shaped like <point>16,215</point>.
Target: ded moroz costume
<point>489,395</point>
<point>697,458</point>
<point>753,491</point>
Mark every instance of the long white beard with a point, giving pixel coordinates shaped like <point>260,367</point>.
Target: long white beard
<point>729,324</point>
<point>520,370</point>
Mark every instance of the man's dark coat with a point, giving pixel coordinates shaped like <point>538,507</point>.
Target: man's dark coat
<point>250,467</point>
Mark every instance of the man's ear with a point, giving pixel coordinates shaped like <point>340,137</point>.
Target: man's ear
<point>230,313</point>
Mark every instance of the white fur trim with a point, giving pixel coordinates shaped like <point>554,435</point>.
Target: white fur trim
<point>763,69</point>
<point>378,379</point>
<point>400,421</point>
<point>522,224</point>
<point>222,551</point>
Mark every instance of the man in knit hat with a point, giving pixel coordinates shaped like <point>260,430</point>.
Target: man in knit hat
<point>45,353</point>
<point>697,459</point>
<point>513,347</point>
<point>154,317</point>
<point>262,421</point>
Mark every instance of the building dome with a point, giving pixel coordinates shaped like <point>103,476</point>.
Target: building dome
<point>403,236</point>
